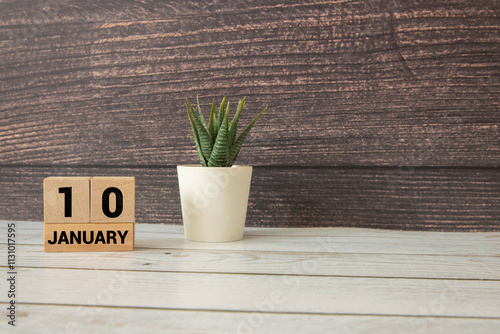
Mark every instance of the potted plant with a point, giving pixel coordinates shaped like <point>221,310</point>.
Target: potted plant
<point>214,194</point>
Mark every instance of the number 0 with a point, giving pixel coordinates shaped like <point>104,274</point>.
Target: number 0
<point>119,202</point>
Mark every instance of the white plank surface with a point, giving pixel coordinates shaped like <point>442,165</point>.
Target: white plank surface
<point>296,294</point>
<point>270,262</point>
<point>338,240</point>
<point>274,281</point>
<point>91,319</point>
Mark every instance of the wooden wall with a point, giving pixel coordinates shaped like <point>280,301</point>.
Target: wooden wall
<point>381,113</point>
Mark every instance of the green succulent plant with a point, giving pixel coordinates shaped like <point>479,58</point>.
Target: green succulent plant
<point>216,142</point>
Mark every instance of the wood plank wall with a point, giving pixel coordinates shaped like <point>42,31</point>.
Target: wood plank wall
<point>381,113</point>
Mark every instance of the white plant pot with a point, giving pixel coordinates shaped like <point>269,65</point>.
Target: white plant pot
<point>214,201</point>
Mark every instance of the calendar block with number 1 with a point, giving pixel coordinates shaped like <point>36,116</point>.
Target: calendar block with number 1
<point>89,214</point>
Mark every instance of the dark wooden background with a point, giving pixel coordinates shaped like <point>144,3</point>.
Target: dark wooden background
<point>381,113</point>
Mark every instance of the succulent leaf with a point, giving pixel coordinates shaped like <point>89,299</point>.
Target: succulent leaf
<point>216,143</point>
<point>201,114</point>
<point>205,141</point>
<point>219,157</point>
<point>203,161</point>
<point>235,148</point>
<point>193,113</point>
<point>211,121</point>
<point>220,115</point>
<point>233,127</point>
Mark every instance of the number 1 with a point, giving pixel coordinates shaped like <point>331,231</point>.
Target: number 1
<point>67,200</point>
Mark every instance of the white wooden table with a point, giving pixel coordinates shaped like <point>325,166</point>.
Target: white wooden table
<point>331,280</point>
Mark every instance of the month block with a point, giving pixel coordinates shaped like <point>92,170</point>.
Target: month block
<point>112,199</point>
<point>88,237</point>
<point>66,200</point>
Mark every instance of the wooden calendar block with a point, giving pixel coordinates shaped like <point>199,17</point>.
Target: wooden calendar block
<point>112,199</point>
<point>66,199</point>
<point>88,237</point>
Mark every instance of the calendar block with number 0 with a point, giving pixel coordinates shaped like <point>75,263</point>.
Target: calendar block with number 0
<point>89,213</point>
<point>112,199</point>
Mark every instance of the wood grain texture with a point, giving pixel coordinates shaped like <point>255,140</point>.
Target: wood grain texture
<point>48,318</point>
<point>331,240</point>
<point>442,199</point>
<point>347,83</point>
<point>273,262</point>
<point>370,83</point>
<point>298,294</point>
<point>276,280</point>
<point>316,251</point>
